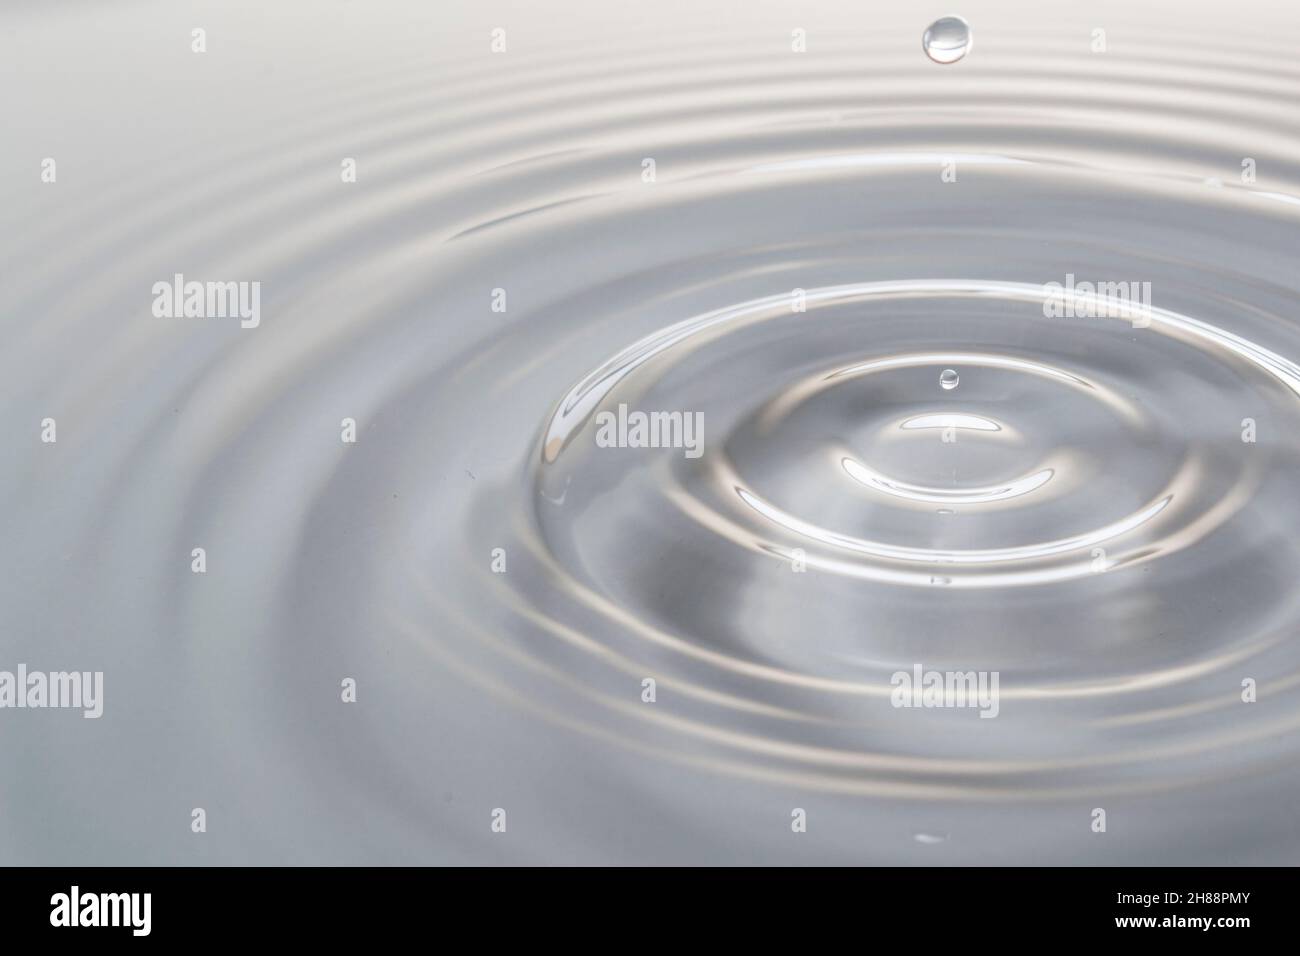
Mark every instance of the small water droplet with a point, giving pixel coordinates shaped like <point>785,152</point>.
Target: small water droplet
<point>949,379</point>
<point>930,839</point>
<point>947,40</point>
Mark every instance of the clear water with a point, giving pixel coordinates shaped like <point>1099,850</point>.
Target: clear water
<point>842,265</point>
<point>947,40</point>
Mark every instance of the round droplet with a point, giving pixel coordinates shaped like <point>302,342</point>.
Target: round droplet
<point>947,40</point>
<point>949,379</point>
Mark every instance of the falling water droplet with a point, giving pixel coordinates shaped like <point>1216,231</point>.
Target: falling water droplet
<point>947,40</point>
<point>949,379</point>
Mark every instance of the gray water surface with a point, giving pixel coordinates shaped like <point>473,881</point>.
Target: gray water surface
<point>842,264</point>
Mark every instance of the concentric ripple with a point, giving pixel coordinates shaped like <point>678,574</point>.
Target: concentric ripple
<point>928,439</point>
<point>832,453</point>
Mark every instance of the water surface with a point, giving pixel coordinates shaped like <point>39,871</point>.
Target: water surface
<point>841,263</point>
